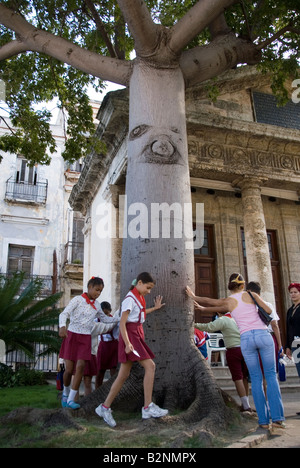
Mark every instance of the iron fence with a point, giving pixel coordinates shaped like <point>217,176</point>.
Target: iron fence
<point>17,359</point>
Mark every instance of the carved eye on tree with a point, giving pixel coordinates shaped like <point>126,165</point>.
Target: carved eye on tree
<point>138,131</point>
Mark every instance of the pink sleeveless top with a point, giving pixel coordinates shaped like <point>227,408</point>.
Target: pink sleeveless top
<point>246,315</point>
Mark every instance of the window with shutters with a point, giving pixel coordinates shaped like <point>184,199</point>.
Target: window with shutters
<point>20,258</point>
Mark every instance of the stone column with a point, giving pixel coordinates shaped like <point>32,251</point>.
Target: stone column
<point>257,248</point>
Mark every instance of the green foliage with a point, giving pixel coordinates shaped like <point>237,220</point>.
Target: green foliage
<point>24,319</point>
<point>261,21</point>
<point>33,78</point>
<point>21,378</point>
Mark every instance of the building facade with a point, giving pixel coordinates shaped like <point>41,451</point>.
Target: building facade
<point>40,234</point>
<point>244,157</point>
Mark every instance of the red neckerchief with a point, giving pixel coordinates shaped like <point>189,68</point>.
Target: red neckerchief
<point>89,301</point>
<point>140,299</point>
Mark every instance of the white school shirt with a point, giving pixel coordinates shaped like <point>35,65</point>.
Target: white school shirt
<point>132,304</point>
<point>273,314</point>
<point>82,316</point>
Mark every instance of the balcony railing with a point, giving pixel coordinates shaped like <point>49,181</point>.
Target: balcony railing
<point>74,252</point>
<point>24,191</point>
<point>50,285</point>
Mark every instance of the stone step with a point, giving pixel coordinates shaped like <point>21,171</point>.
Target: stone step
<point>224,380</point>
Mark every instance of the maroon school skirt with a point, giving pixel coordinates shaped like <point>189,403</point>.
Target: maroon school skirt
<point>107,355</point>
<point>136,337</point>
<point>75,347</point>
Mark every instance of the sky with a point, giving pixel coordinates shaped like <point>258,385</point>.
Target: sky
<point>4,111</point>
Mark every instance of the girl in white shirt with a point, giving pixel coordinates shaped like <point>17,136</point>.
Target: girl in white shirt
<point>76,346</point>
<point>132,347</point>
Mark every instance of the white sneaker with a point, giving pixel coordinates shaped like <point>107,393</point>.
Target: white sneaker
<point>153,411</point>
<point>106,414</point>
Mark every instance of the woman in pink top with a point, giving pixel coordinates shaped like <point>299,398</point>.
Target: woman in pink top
<point>255,340</point>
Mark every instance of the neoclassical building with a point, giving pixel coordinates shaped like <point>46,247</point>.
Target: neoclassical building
<point>244,156</point>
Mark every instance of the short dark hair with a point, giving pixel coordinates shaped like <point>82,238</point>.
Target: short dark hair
<point>254,286</point>
<point>105,305</point>
<point>95,281</point>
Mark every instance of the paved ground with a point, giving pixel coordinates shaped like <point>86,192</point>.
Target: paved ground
<point>277,438</point>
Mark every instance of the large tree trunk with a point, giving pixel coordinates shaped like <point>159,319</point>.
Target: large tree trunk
<point>158,172</point>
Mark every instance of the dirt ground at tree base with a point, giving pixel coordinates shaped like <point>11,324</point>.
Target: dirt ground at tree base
<point>129,432</point>
<point>67,428</point>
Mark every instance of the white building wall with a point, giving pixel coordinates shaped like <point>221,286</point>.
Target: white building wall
<point>36,225</point>
<point>103,242</point>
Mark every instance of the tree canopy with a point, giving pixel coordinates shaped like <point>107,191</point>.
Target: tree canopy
<point>57,48</point>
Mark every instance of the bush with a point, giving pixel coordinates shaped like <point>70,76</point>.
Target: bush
<point>20,378</point>
<point>6,376</point>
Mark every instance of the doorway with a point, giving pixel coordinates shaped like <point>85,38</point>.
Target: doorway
<point>205,272</point>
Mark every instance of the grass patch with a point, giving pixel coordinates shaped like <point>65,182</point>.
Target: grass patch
<point>37,396</point>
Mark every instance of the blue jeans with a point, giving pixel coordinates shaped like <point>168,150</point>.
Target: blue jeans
<point>252,343</point>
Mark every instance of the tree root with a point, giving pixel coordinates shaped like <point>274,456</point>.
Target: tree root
<point>194,393</point>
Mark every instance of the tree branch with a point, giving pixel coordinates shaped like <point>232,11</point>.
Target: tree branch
<point>101,28</point>
<point>196,20</point>
<point>11,48</point>
<point>224,53</point>
<point>276,36</point>
<point>37,40</point>
<point>219,26</point>
<point>144,31</point>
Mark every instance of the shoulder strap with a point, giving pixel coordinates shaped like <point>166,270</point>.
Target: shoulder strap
<point>252,297</point>
<point>132,296</point>
<point>142,309</point>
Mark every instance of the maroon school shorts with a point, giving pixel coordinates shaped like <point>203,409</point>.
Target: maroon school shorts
<point>236,364</point>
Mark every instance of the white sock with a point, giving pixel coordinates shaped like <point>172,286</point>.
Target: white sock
<point>72,395</point>
<point>66,390</point>
<point>245,402</point>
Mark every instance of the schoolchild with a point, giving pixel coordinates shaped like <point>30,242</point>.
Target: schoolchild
<point>107,353</point>
<point>91,366</point>
<point>132,347</point>
<point>76,347</point>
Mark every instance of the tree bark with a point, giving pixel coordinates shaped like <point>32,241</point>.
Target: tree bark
<point>158,171</point>
<point>141,25</point>
<point>222,54</point>
<point>201,15</point>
